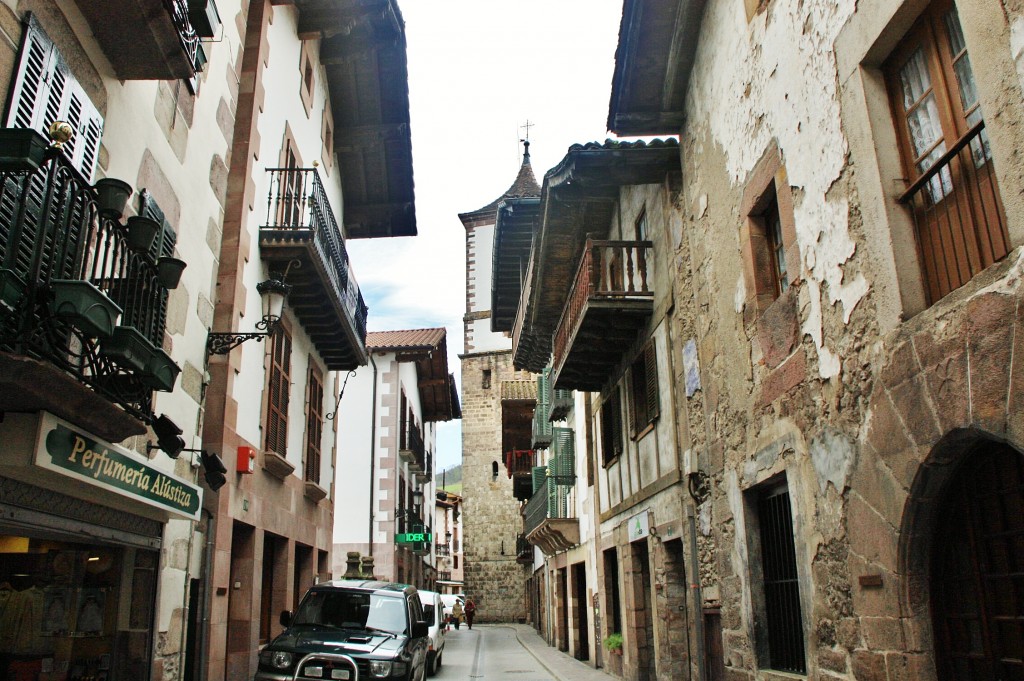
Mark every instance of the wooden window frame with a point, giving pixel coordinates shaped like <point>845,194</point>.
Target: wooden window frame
<point>640,226</point>
<point>612,445</point>
<point>312,459</point>
<point>307,75</point>
<point>766,195</point>
<point>644,400</point>
<point>278,374</point>
<point>951,252</point>
<point>327,137</point>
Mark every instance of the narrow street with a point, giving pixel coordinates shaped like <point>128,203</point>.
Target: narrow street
<point>508,651</point>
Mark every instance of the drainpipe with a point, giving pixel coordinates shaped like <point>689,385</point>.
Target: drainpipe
<point>373,453</point>
<point>698,598</point>
<point>202,645</point>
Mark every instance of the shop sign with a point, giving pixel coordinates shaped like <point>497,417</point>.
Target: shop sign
<point>639,526</point>
<point>63,448</point>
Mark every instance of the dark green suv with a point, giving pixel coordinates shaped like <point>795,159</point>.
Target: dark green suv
<point>343,627</point>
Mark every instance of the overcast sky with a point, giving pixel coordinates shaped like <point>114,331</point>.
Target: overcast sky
<point>478,70</point>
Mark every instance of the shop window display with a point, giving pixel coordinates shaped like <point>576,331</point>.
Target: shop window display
<point>74,612</point>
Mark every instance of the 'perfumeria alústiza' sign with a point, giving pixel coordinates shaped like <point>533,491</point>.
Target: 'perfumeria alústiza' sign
<point>63,448</point>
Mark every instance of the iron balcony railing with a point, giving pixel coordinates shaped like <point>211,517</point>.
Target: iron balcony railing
<point>444,575</point>
<point>412,445</point>
<point>442,550</point>
<point>608,270</point>
<point>958,214</point>
<point>178,9</point>
<point>297,204</point>
<point>72,289</point>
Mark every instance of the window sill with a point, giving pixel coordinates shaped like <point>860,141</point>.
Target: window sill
<point>277,465</point>
<point>315,492</point>
<point>612,461</point>
<point>644,431</point>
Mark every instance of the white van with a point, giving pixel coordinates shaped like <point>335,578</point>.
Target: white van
<point>433,613</point>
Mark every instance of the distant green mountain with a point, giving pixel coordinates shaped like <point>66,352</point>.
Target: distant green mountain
<point>449,479</point>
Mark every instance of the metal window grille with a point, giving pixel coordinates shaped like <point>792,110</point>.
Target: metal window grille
<point>781,588</point>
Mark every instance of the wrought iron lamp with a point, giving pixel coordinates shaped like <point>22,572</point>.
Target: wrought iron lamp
<point>273,292</point>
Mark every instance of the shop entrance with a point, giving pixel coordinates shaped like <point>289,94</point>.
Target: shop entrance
<point>581,634</point>
<point>74,611</point>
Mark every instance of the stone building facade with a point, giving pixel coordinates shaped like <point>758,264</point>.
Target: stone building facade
<point>490,514</point>
<point>845,244</point>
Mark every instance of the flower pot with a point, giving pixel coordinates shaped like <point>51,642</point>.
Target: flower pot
<point>161,372</point>
<point>111,197</point>
<point>21,150</point>
<point>142,233</point>
<point>168,271</point>
<point>12,288</point>
<point>86,307</point>
<point>129,348</point>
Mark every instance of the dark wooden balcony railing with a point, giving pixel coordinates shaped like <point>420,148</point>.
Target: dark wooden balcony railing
<point>612,293</point>
<point>524,550</point>
<point>301,224</point>
<point>518,461</point>
<point>958,215</point>
<point>51,235</point>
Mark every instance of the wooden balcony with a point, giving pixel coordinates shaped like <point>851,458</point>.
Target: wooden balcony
<point>301,236</point>
<point>610,301</point>
<point>145,39</point>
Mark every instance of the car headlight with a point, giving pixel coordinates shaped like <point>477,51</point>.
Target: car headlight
<point>278,659</point>
<point>380,669</point>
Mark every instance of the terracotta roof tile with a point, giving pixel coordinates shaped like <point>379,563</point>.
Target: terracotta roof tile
<point>404,340</point>
<point>519,390</point>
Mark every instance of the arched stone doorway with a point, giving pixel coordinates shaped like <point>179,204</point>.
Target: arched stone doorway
<point>964,556</point>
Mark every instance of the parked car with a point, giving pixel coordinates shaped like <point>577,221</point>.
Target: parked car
<point>349,629</point>
<point>433,614</point>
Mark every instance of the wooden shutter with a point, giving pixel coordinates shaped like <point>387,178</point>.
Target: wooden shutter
<point>45,90</point>
<point>280,382</point>
<point>611,427</point>
<point>314,423</point>
<point>651,367</point>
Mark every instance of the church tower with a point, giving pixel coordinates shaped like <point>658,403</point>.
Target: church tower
<point>491,518</point>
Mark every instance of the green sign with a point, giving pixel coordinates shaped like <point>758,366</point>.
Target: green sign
<point>64,449</point>
<point>413,537</point>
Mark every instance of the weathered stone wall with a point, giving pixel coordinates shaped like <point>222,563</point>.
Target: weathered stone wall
<point>491,519</point>
<point>848,385</point>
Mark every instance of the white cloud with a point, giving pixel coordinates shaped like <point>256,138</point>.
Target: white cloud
<point>477,71</point>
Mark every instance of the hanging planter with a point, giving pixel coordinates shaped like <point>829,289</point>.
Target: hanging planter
<point>168,271</point>
<point>161,372</point>
<point>129,348</point>
<point>21,150</point>
<point>12,288</point>
<point>111,197</point>
<point>142,233</point>
<point>86,307</point>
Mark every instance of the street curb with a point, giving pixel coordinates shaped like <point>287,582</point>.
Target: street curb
<point>551,671</point>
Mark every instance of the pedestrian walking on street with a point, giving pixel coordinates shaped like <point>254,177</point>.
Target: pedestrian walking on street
<point>457,613</point>
<point>470,611</point>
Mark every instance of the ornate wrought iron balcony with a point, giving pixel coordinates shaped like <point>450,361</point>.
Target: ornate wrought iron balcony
<point>325,296</point>
<point>81,298</point>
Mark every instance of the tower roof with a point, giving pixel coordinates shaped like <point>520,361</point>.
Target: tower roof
<point>525,185</point>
